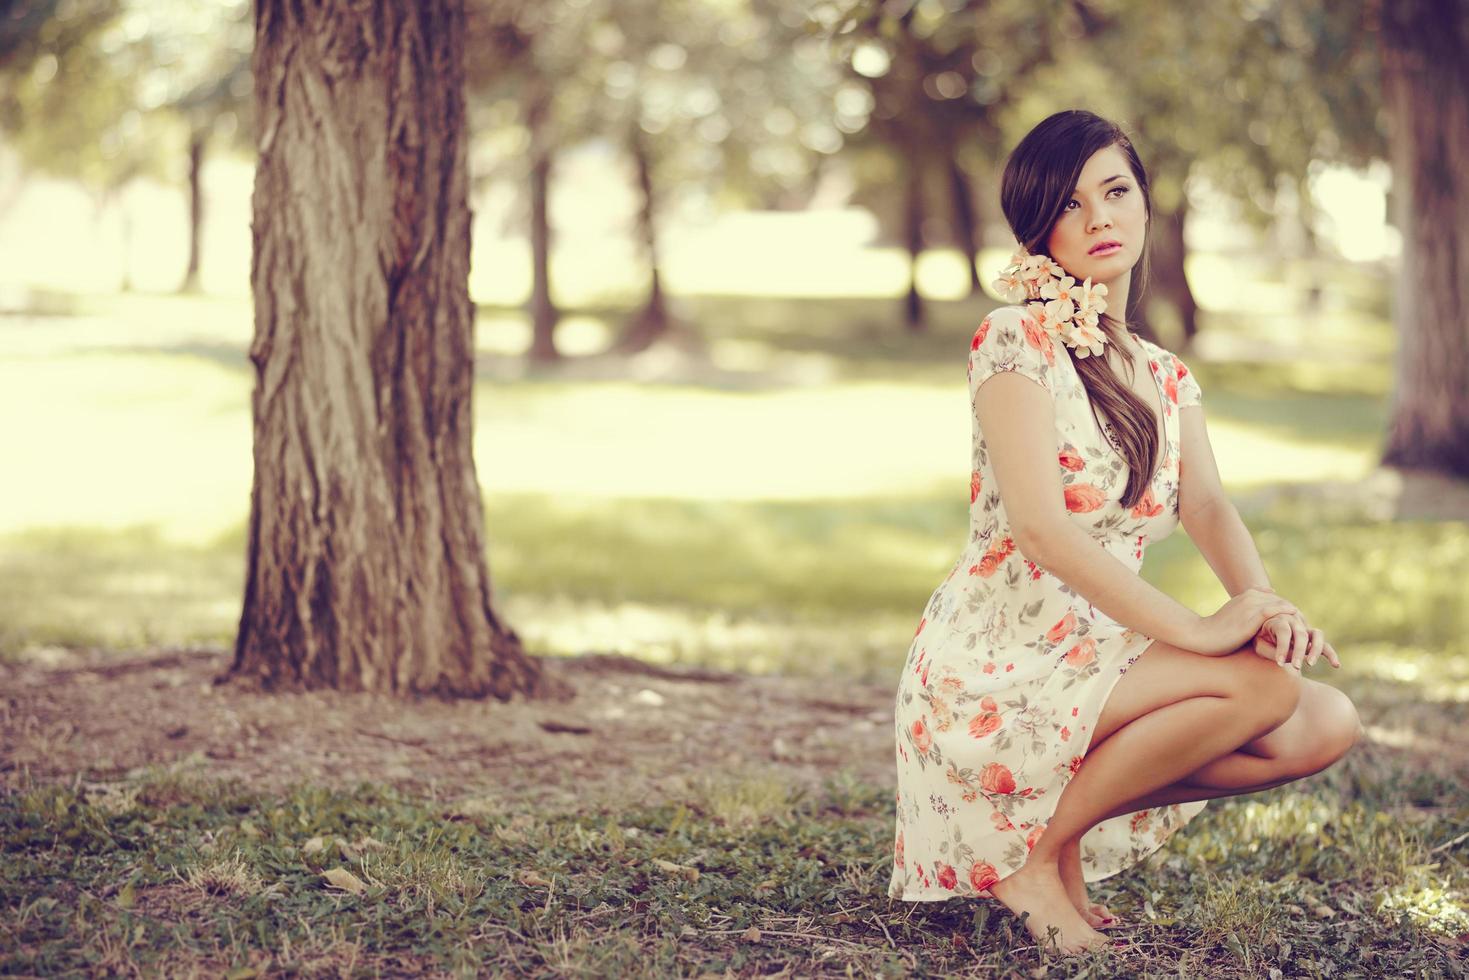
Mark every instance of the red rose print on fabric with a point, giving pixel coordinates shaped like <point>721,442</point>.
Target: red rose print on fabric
<point>1082,654</point>
<point>1147,506</point>
<point>988,720</point>
<point>980,334</point>
<point>997,778</point>
<point>1063,628</point>
<point>982,875</point>
<point>991,560</point>
<point>1083,498</point>
<point>922,739</point>
<point>1037,337</point>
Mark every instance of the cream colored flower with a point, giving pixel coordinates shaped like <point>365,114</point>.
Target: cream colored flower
<point>1024,275</point>
<point>1069,310</point>
<point>1010,286</point>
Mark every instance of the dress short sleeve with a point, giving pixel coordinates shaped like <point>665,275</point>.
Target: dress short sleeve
<point>1188,387</point>
<point>1010,339</point>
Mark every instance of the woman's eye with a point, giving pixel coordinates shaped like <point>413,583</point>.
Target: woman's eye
<point>1118,190</point>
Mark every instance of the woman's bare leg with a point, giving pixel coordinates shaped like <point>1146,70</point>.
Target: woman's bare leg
<point>1169,715</point>
<point>1320,731</point>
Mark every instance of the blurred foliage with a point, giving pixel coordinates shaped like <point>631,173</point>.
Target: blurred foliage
<point>104,91</point>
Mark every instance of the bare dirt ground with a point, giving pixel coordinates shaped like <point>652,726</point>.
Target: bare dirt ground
<point>632,729</point>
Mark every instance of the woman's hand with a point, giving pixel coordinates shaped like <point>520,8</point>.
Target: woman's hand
<point>1286,639</point>
<point>1238,620</point>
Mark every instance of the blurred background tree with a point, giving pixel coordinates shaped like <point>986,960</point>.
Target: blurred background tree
<point>726,101</point>
<point>1425,80</point>
<point>97,90</point>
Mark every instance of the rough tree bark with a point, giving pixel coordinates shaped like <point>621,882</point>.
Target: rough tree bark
<point>1425,87</point>
<point>366,558</point>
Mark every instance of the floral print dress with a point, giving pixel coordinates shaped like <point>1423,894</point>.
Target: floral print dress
<point>1009,667</point>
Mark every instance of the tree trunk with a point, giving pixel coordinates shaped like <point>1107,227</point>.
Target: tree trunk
<point>366,548</point>
<point>651,322</point>
<point>1170,281</point>
<point>196,211</point>
<point>543,312</point>
<point>1425,87</point>
<point>913,314</point>
<point>966,222</point>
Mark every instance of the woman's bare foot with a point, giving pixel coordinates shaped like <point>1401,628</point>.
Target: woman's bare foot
<point>1037,889</point>
<point>1097,915</point>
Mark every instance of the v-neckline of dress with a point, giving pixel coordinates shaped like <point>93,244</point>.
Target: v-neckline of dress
<point>1166,449</point>
<point>1153,369</point>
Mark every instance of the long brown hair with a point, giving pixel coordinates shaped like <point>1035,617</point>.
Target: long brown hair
<point>1037,183</point>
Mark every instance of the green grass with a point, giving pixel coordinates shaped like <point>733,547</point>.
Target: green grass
<point>172,873</point>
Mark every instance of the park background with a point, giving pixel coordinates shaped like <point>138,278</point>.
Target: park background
<point>726,260</point>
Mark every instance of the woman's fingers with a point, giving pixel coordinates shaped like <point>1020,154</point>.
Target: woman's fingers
<point>1282,641</point>
<point>1313,649</point>
<point>1300,642</point>
<point>1295,642</point>
<point>1288,648</point>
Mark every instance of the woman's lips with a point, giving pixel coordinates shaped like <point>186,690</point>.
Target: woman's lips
<point>1106,249</point>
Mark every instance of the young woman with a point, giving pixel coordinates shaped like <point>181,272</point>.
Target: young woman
<point>1058,718</point>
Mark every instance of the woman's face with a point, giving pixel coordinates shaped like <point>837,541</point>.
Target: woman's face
<point>1106,206</point>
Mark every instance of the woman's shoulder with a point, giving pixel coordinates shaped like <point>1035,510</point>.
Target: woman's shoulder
<point>1011,339</point>
<point>1155,351</point>
<point>1009,322</point>
<point>1178,379</point>
<point>1010,314</point>
<point>1159,352</point>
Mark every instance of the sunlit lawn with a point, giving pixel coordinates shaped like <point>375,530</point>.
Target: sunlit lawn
<point>730,520</point>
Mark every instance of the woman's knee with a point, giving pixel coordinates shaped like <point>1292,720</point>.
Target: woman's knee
<point>1271,692</point>
<point>1333,727</point>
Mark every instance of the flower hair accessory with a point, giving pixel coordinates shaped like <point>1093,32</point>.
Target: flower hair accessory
<point>1070,310</point>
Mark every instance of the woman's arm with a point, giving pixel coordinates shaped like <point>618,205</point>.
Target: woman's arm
<point>1225,542</point>
<point>1075,557</point>
<point>1213,524</point>
<point>1208,515</point>
<point>1018,419</point>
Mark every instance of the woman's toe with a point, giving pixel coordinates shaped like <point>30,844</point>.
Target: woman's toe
<point>1099,916</point>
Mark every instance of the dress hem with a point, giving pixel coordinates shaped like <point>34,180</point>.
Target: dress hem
<point>1093,873</point>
